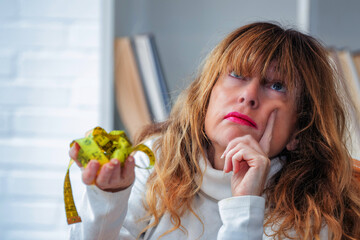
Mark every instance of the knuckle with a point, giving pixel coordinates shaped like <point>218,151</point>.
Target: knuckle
<point>247,138</point>
<point>241,145</point>
<point>230,145</point>
<point>101,183</point>
<point>86,180</point>
<point>235,141</point>
<point>243,140</point>
<point>265,160</point>
<point>236,157</point>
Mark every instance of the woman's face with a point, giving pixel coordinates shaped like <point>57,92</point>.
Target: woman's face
<point>241,106</point>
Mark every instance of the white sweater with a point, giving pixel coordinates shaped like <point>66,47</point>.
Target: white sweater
<point>115,215</point>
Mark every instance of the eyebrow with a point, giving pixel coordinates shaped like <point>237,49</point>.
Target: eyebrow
<point>268,80</point>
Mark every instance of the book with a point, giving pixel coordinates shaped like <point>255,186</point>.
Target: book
<point>152,77</point>
<point>352,88</point>
<point>356,59</point>
<point>350,74</point>
<point>129,93</point>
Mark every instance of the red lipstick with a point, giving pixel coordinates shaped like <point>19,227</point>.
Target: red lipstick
<point>240,119</point>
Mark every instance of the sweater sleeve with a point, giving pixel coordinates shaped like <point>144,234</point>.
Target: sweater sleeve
<point>242,218</point>
<point>107,215</point>
<point>102,214</point>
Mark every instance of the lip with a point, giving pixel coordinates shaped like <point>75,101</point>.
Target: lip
<point>240,119</point>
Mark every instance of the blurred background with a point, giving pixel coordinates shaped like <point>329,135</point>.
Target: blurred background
<point>57,73</point>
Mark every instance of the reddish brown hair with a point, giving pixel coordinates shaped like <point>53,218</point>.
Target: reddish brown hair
<point>316,184</point>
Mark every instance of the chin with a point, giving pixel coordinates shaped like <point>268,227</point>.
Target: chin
<point>224,141</point>
<point>234,133</point>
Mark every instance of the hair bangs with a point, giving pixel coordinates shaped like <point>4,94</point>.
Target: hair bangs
<point>261,52</point>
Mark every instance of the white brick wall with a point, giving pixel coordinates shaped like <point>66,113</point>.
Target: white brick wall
<point>49,95</point>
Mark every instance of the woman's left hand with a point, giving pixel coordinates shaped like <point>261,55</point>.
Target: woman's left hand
<point>249,161</point>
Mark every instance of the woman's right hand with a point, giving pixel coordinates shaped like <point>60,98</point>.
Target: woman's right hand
<point>112,177</point>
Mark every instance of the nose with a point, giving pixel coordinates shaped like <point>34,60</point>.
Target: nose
<point>250,94</point>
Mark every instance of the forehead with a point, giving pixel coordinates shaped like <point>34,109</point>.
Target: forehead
<point>274,73</point>
<point>259,56</point>
<point>267,71</point>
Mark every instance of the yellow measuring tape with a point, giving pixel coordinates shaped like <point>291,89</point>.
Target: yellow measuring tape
<point>102,146</point>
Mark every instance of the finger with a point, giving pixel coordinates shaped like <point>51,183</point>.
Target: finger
<point>246,155</point>
<point>246,140</point>
<point>128,169</point>
<point>229,157</point>
<point>89,173</point>
<point>267,135</point>
<point>116,174</point>
<point>240,157</point>
<point>233,143</point>
<point>241,169</point>
<point>228,165</point>
<point>104,176</point>
<point>236,160</point>
<point>73,153</point>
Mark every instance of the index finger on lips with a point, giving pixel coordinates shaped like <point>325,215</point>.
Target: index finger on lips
<point>267,135</point>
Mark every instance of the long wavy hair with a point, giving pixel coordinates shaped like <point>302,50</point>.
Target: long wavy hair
<point>315,187</point>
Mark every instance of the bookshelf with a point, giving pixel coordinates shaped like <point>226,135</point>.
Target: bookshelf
<point>347,67</point>
<point>186,30</point>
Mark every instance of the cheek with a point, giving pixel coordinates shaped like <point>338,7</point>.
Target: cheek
<point>210,113</point>
<point>215,103</point>
<point>285,124</point>
<point>285,121</point>
<point>214,111</point>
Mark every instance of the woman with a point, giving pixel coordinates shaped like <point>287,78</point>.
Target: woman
<point>265,110</point>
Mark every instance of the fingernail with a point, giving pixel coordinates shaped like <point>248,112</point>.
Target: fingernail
<point>130,159</point>
<point>114,161</point>
<point>109,166</point>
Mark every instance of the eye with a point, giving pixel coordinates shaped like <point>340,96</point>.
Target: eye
<point>233,74</point>
<point>278,86</point>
